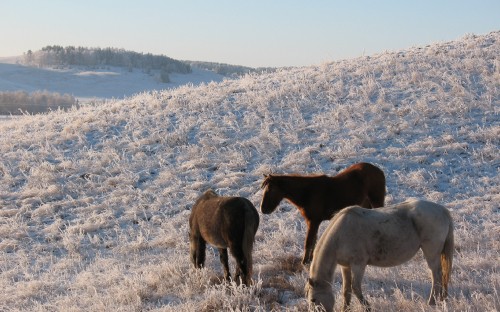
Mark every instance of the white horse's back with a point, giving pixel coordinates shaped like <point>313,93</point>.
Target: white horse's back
<point>385,237</point>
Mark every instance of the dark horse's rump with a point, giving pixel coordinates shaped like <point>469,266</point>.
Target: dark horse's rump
<point>319,197</point>
<point>224,222</point>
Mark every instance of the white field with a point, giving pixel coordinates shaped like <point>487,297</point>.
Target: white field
<point>94,203</point>
<point>89,84</point>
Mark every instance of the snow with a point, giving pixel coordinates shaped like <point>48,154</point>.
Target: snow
<point>93,83</point>
<point>94,202</point>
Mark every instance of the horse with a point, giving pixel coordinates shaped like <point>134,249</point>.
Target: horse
<point>319,197</point>
<point>384,237</point>
<point>224,222</point>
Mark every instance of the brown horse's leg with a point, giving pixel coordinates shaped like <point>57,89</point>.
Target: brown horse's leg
<point>312,232</point>
<point>346,287</point>
<point>225,263</point>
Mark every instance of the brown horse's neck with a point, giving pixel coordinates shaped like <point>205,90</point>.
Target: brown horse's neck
<point>296,189</point>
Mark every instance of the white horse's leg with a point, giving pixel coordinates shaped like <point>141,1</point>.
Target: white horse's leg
<point>346,287</point>
<point>357,276</point>
<point>433,259</point>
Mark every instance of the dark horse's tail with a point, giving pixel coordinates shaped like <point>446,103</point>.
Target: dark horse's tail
<point>251,225</point>
<point>447,261</point>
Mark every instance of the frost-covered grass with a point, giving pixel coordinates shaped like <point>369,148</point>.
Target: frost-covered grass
<point>94,203</point>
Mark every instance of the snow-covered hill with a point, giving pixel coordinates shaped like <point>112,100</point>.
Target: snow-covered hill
<point>94,203</point>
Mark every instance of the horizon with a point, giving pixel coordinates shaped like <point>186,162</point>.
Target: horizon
<point>257,34</point>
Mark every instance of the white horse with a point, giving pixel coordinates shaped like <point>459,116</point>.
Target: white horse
<point>384,237</point>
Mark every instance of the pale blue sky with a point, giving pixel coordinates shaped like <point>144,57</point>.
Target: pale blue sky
<point>252,33</point>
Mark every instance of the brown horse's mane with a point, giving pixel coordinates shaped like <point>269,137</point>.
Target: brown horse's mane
<point>273,177</point>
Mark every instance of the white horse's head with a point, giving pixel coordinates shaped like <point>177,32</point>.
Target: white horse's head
<point>319,295</point>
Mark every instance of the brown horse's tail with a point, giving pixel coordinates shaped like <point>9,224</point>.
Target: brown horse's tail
<point>447,261</point>
<point>251,225</point>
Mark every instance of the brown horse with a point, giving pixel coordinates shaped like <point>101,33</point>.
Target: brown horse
<point>319,197</point>
<point>224,222</point>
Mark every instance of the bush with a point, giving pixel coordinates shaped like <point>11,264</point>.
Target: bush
<point>19,102</point>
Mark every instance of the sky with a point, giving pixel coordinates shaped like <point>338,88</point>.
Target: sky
<point>254,33</point>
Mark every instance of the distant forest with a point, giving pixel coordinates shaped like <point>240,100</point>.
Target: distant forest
<point>229,70</point>
<point>54,55</point>
<point>63,56</point>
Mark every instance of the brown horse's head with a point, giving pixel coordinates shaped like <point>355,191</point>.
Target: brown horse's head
<point>272,195</point>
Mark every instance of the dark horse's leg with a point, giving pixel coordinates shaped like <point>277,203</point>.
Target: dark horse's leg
<point>241,264</point>
<point>312,233</point>
<point>225,263</point>
<point>198,246</point>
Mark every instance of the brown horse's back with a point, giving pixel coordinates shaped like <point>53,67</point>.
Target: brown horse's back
<point>362,180</point>
<point>374,183</point>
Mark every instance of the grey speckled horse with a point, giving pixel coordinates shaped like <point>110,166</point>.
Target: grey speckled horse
<point>383,237</point>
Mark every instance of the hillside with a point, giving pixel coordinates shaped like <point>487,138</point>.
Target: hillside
<point>94,202</point>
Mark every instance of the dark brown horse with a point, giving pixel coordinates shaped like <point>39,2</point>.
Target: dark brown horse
<point>224,222</point>
<point>319,197</point>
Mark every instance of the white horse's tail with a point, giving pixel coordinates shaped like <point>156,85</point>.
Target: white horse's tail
<point>447,260</point>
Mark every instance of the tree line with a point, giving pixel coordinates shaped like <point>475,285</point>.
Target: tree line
<point>230,70</point>
<point>55,55</point>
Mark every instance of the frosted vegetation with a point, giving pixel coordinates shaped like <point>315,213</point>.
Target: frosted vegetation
<point>20,102</point>
<point>94,202</point>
